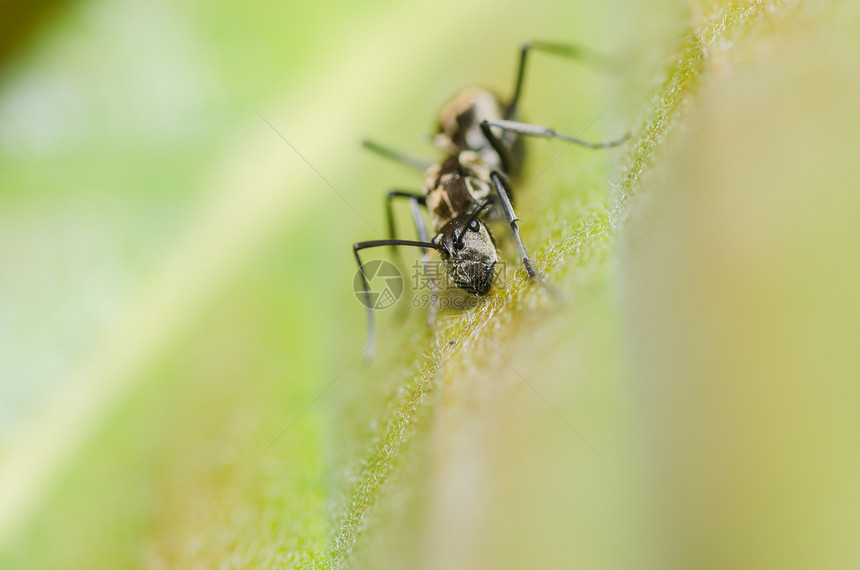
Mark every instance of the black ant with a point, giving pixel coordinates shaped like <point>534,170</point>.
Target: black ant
<point>481,140</point>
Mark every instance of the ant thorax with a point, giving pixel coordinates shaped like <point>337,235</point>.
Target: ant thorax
<point>457,186</point>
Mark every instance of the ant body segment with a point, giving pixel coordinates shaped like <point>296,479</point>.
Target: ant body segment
<point>481,141</point>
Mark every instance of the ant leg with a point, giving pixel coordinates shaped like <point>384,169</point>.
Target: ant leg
<point>497,145</point>
<point>368,303</point>
<point>416,162</point>
<point>504,190</point>
<point>433,309</point>
<point>546,132</point>
<point>415,200</point>
<point>565,50</point>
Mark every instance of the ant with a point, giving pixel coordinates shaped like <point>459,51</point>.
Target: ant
<point>481,140</point>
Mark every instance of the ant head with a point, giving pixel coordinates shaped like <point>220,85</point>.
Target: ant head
<point>469,252</point>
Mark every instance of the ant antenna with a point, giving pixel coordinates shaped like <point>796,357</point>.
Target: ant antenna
<point>371,325</point>
<point>458,241</point>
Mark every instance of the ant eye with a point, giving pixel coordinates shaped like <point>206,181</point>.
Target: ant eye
<point>474,225</point>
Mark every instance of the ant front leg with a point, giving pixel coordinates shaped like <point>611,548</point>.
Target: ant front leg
<point>415,200</point>
<point>503,190</point>
<point>369,300</point>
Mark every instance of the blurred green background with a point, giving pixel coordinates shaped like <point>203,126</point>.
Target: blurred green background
<point>181,382</point>
<point>177,281</point>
